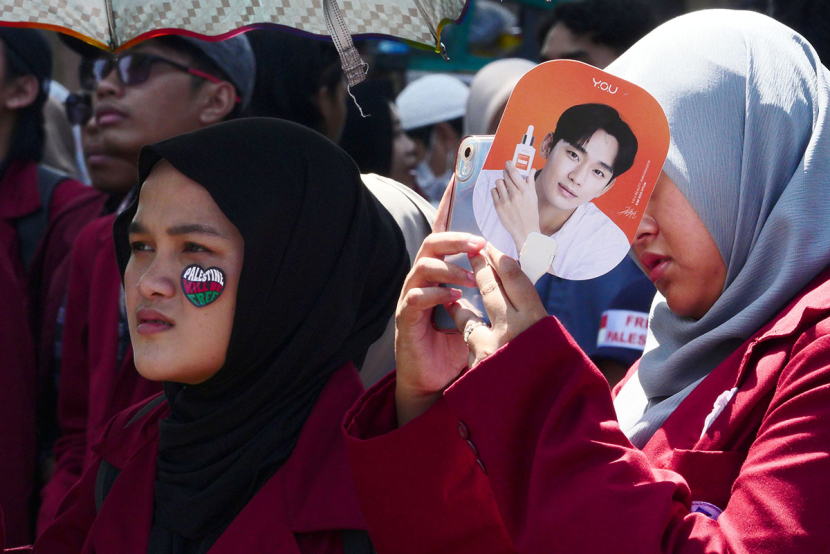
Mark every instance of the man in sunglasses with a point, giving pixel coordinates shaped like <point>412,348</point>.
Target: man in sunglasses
<point>163,87</point>
<point>41,212</point>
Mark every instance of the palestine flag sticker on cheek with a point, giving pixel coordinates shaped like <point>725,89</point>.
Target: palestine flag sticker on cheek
<point>202,286</point>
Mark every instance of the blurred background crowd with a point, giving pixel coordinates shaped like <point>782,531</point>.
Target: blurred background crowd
<point>68,334</point>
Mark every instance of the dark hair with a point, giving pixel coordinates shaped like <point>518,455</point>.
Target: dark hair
<point>290,69</point>
<point>368,140</point>
<point>578,124</point>
<point>422,134</point>
<point>29,134</point>
<point>614,23</point>
<point>197,60</point>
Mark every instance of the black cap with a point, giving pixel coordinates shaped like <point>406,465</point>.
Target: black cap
<point>84,49</point>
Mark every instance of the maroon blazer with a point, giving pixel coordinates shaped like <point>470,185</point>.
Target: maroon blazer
<point>72,207</point>
<point>93,386</point>
<point>26,297</point>
<point>17,408</point>
<point>524,454</point>
<point>302,509</point>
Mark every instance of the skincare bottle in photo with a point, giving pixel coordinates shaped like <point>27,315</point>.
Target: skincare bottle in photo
<point>523,156</point>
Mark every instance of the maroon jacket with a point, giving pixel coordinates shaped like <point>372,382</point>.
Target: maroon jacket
<point>524,454</point>
<point>302,509</point>
<point>17,407</point>
<point>26,296</point>
<point>50,267</point>
<point>71,206</point>
<point>93,386</point>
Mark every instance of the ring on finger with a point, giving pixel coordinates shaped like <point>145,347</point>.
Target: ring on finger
<point>470,327</point>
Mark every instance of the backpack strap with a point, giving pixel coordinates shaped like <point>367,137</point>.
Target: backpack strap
<point>31,228</point>
<point>107,473</point>
<point>146,409</point>
<point>356,541</point>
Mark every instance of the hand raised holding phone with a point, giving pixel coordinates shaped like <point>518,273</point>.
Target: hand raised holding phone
<point>428,360</point>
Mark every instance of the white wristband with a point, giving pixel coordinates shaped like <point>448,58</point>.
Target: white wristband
<point>536,257</point>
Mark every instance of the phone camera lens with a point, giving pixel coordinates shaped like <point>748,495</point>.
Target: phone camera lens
<point>467,152</point>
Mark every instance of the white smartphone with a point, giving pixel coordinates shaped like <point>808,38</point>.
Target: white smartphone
<point>469,160</point>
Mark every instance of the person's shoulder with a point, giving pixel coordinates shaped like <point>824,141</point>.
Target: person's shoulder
<point>131,429</point>
<point>397,197</point>
<point>806,317</point>
<point>69,186</point>
<point>413,213</point>
<point>99,227</point>
<point>802,329</point>
<point>486,180</point>
<point>593,242</point>
<point>95,235</point>
<point>73,196</point>
<point>140,415</point>
<point>591,226</point>
<point>795,358</point>
<point>603,226</point>
<point>589,212</point>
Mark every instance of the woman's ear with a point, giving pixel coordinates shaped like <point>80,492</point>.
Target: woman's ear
<point>220,100</point>
<point>20,92</point>
<point>547,146</point>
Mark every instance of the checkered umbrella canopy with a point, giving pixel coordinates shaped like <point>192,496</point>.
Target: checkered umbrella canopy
<point>118,24</point>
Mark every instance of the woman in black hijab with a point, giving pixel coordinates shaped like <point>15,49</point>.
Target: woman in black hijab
<point>254,344</point>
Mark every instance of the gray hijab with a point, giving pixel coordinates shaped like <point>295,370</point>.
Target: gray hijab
<point>490,90</point>
<point>747,104</point>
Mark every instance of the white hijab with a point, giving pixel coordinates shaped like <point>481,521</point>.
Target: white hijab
<point>490,90</point>
<point>747,104</point>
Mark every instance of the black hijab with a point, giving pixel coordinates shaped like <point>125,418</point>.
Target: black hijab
<point>323,266</point>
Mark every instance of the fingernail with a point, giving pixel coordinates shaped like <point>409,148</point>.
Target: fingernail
<point>471,277</point>
<point>489,251</point>
<point>455,294</point>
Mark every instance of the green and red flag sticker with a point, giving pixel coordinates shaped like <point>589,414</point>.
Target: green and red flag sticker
<point>202,286</point>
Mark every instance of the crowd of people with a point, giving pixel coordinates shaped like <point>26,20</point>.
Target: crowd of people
<point>223,340</point>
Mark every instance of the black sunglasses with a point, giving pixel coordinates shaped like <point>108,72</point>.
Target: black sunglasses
<point>78,106</point>
<point>133,69</point>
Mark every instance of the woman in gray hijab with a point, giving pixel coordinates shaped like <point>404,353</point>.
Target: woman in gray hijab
<point>489,92</point>
<point>717,440</point>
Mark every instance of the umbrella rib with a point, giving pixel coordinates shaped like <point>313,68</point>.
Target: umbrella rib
<point>430,24</point>
<point>440,48</point>
<point>111,24</point>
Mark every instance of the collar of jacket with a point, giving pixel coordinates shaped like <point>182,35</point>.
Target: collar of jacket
<point>314,484</point>
<point>753,369</point>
